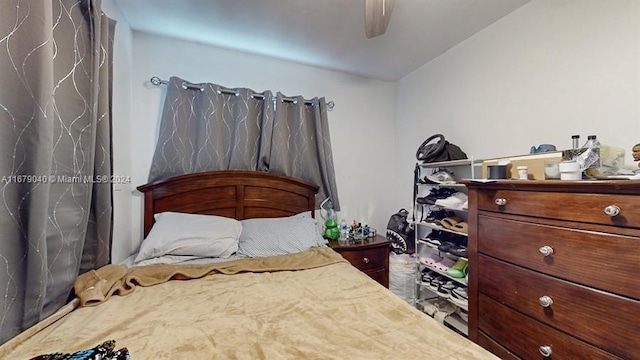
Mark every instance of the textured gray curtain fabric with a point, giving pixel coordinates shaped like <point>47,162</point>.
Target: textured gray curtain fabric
<point>233,129</point>
<point>300,145</point>
<point>209,130</point>
<point>55,153</point>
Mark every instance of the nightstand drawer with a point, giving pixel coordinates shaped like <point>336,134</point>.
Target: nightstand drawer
<point>365,259</point>
<point>588,208</point>
<point>605,261</point>
<point>523,290</point>
<point>370,256</point>
<point>379,275</point>
<point>526,337</point>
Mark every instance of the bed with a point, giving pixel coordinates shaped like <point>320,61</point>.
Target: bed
<point>308,304</point>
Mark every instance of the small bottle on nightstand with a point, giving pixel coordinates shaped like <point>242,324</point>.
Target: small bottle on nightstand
<point>344,230</point>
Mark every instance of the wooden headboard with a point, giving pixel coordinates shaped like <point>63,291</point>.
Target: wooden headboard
<point>234,193</point>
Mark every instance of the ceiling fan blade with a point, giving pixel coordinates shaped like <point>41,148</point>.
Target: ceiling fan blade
<point>376,16</point>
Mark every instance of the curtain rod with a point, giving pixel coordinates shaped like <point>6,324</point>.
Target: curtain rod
<point>185,85</point>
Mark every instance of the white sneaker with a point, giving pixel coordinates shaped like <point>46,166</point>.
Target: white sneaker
<point>442,177</point>
<point>464,315</point>
<point>454,201</point>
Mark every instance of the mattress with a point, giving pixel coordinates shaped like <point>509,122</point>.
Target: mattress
<point>310,305</point>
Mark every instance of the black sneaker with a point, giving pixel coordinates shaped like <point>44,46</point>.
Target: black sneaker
<point>437,193</point>
<point>459,250</point>
<point>435,238</point>
<point>460,296</point>
<point>435,215</point>
<point>445,289</point>
<point>427,275</point>
<point>446,246</point>
<point>435,282</point>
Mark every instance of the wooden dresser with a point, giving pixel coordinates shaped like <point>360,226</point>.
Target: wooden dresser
<point>554,268</point>
<point>370,256</point>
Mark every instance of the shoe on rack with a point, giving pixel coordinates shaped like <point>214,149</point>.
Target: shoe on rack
<point>445,289</point>
<point>457,270</point>
<point>430,260</point>
<point>444,264</point>
<point>455,201</point>
<point>434,238</point>
<point>425,180</point>
<point>429,308</point>
<point>425,200</point>
<point>446,246</point>
<point>445,306</point>
<point>436,193</point>
<point>460,296</point>
<point>461,227</point>
<point>435,282</point>
<point>464,314</point>
<point>459,239</point>
<point>459,250</point>
<point>450,222</point>
<point>435,216</point>
<point>442,177</point>
<point>427,275</point>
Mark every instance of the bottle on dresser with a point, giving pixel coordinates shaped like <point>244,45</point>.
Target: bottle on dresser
<point>591,150</point>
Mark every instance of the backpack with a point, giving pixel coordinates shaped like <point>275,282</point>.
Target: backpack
<point>401,233</point>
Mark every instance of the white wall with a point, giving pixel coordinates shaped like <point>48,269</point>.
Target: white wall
<point>361,124</point>
<point>551,69</point>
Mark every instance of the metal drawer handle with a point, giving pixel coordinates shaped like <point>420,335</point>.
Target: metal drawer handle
<point>545,301</point>
<point>546,250</point>
<point>501,201</point>
<point>366,260</point>
<point>545,350</point>
<point>612,210</point>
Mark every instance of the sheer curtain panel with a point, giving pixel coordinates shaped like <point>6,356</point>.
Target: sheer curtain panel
<point>207,127</point>
<point>55,153</point>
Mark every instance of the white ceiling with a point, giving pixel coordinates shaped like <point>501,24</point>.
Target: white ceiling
<point>324,33</point>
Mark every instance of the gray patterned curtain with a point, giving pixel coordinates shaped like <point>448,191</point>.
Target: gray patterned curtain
<point>206,127</point>
<point>55,153</point>
<point>300,145</point>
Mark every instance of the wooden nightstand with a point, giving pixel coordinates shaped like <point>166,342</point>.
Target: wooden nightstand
<point>370,256</point>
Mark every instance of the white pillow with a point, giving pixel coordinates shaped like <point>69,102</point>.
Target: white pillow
<point>190,234</point>
<point>263,237</point>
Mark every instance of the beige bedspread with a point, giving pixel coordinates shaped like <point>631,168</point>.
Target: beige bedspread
<point>329,310</point>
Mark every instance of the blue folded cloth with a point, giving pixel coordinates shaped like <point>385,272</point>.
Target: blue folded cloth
<point>542,148</point>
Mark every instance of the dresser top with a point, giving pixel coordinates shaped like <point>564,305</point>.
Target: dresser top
<point>587,186</point>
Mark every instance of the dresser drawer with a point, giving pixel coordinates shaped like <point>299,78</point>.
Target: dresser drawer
<point>614,330</point>
<point>497,349</point>
<point>581,207</point>
<point>605,261</point>
<point>368,259</point>
<point>524,336</point>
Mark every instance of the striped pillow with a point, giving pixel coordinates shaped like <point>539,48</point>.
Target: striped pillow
<point>278,236</point>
